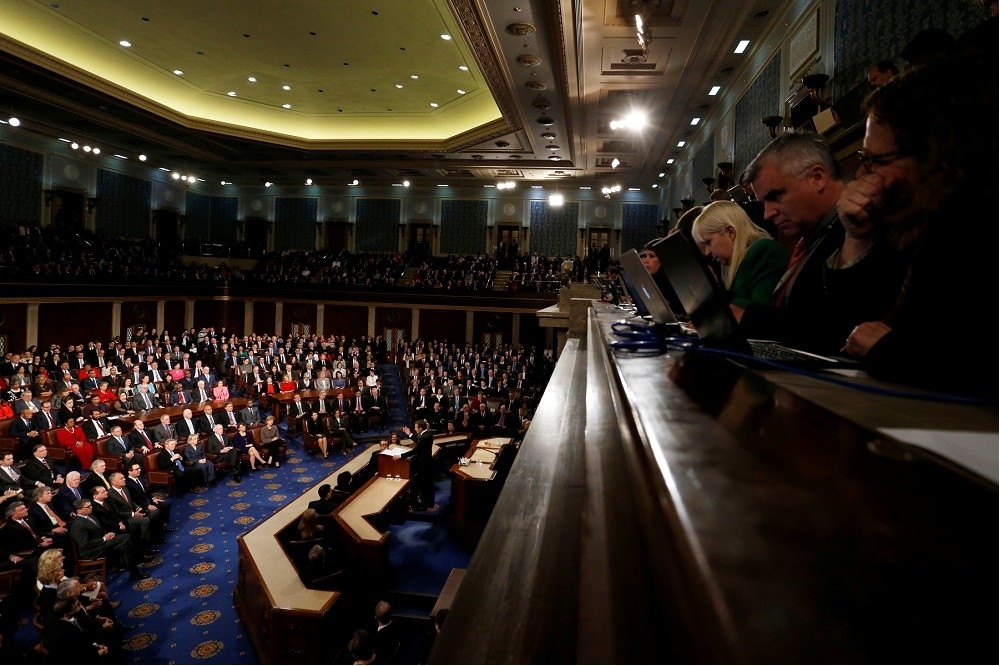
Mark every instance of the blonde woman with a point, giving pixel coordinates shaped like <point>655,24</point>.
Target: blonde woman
<point>752,261</point>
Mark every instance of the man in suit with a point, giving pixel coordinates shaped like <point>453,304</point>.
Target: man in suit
<point>141,495</point>
<point>163,430</point>
<point>46,418</point>
<point>168,459</point>
<point>200,391</point>
<point>26,401</point>
<point>223,452</point>
<point>250,414</point>
<point>40,470</point>
<point>96,426</point>
<point>140,439</point>
<point>377,408</point>
<point>63,501</point>
<point>144,400</point>
<point>119,446</point>
<point>421,466</point>
<point>437,418</point>
<point>10,477</point>
<point>178,396</point>
<point>17,535</point>
<point>186,425</point>
<point>142,526</point>
<point>421,404</point>
<point>207,422</point>
<point>387,634</point>
<point>28,436</point>
<point>45,521</point>
<point>93,541</point>
<point>228,417</point>
<point>298,409</point>
<point>97,477</point>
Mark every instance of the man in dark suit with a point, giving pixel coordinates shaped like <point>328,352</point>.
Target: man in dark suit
<point>387,634</point>
<point>142,527</point>
<point>250,414</point>
<point>47,418</point>
<point>96,426</point>
<point>140,439</point>
<point>421,466</point>
<point>119,446</point>
<point>63,501</point>
<point>169,460</point>
<point>186,425</point>
<point>178,396</point>
<point>325,505</point>
<point>40,470</point>
<point>140,494</point>
<point>17,535</point>
<point>93,541</point>
<point>163,430</point>
<point>10,477</point>
<point>97,477</point>
<point>207,422</point>
<point>144,400</point>
<point>45,521</point>
<point>223,452</point>
<point>377,408</point>
<point>26,401</point>
<point>28,436</point>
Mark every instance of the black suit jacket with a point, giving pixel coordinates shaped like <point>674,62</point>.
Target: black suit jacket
<point>62,503</point>
<point>422,452</point>
<point>6,481</point>
<point>16,539</point>
<point>36,471</point>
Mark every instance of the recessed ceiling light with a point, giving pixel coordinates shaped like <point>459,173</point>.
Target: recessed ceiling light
<point>286,87</point>
<point>446,37</point>
<point>680,144</point>
<point>142,157</point>
<point>635,189</point>
<point>268,183</point>
<point>439,185</point>
<point>460,91</point>
<point>406,183</point>
<point>670,161</point>
<point>231,93</point>
<point>655,186</point>
<point>14,121</point>
<point>742,46</point>
<point>164,169</point>
<point>178,72</point>
<point>354,182</point>
<point>252,79</point>
<point>87,149</point>
<point>715,90</point>
<point>463,68</point>
<point>695,121</point>
<point>434,104</point>
<point>309,181</point>
<point>536,187</point>
<point>554,158</point>
<point>97,151</point>
<point>585,187</point>
<point>125,43</point>
<point>120,156</point>
<point>414,77</point>
<point>662,174</point>
<point>286,105</point>
<point>74,145</point>
<point>399,85</point>
<point>177,176</point>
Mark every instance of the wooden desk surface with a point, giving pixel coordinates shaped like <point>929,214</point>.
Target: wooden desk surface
<point>371,498</point>
<point>742,521</point>
<point>283,584</point>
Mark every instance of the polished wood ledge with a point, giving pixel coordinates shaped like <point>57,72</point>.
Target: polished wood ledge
<point>681,508</point>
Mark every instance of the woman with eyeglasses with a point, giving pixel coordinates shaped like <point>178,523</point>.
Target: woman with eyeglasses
<point>752,262</point>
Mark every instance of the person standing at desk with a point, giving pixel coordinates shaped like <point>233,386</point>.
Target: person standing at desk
<point>421,474</point>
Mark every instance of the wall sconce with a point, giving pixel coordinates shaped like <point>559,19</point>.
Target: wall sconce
<point>92,203</point>
<point>772,123</point>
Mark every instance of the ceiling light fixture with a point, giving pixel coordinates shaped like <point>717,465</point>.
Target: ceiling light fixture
<point>670,161</point>
<point>681,144</point>
<point>125,43</point>
<point>434,104</point>
<point>268,183</point>
<point>460,91</point>
<point>714,91</point>
<point>556,200</point>
<point>252,79</point>
<point>354,182</point>
<point>414,77</point>
<point>142,157</point>
<point>286,105</point>
<point>695,121</point>
<point>14,121</point>
<point>97,151</point>
<point>742,46</point>
<point>506,185</point>
<point>286,88</point>
<point>615,162</point>
<point>231,93</point>
<point>74,145</point>
<point>446,37</point>
<point>399,85</point>
<point>608,191</point>
<point>643,34</point>
<point>179,72</point>
<point>406,183</point>
<point>463,68</point>
<point>309,181</point>
<point>661,174</point>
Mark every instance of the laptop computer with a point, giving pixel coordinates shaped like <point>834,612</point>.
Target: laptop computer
<point>644,290</point>
<point>707,304</point>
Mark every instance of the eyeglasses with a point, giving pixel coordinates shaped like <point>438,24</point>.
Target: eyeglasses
<point>869,159</point>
